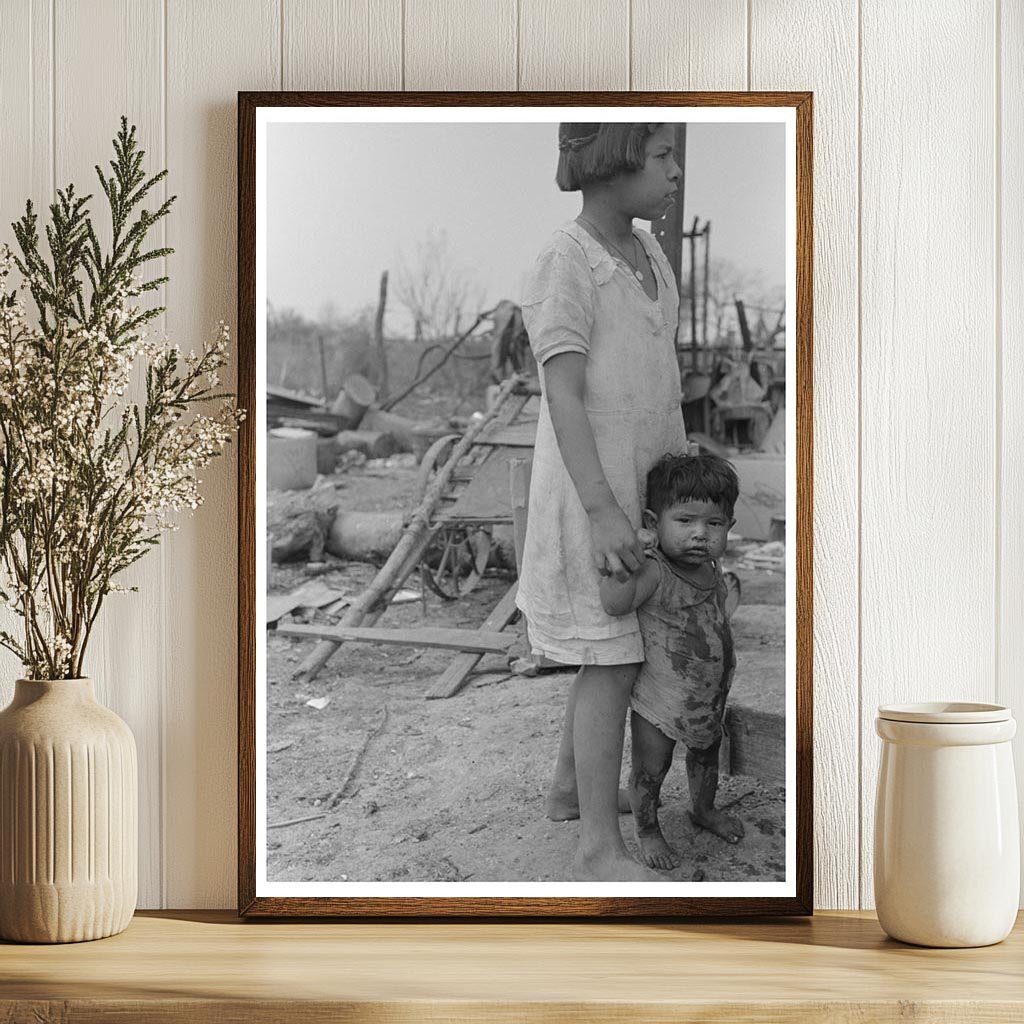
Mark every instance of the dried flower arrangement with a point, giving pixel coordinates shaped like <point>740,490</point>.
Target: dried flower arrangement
<point>89,477</point>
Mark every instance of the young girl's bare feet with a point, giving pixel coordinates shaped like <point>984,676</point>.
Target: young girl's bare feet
<point>610,866</point>
<point>725,825</point>
<point>564,804</point>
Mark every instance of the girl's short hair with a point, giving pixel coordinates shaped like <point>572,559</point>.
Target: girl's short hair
<point>704,477</point>
<point>588,153</point>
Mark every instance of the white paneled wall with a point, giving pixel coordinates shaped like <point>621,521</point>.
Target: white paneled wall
<point>1008,258</point>
<point>919,307</point>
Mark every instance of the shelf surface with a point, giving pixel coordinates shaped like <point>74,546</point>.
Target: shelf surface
<point>200,966</point>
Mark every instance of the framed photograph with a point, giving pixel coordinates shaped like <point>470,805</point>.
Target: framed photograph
<point>525,504</point>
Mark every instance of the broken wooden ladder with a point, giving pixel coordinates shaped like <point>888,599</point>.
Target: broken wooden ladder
<point>372,602</point>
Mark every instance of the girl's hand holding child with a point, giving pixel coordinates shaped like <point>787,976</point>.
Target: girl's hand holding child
<point>617,549</point>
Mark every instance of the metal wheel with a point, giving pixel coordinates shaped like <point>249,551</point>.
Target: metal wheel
<point>456,560</point>
<point>434,458</point>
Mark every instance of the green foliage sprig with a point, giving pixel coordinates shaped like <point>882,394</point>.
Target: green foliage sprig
<point>89,477</point>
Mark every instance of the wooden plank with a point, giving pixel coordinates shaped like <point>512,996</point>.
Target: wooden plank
<point>468,45</point>
<point>1010,269</point>
<point>455,675</point>
<point>126,655</point>
<point>826,62</point>
<point>204,967</point>
<point>314,594</point>
<point>574,44</point>
<point>294,397</point>
<point>757,744</point>
<point>486,496</point>
<point>212,52</point>
<point>928,365</point>
<point>699,44</point>
<point>756,720</point>
<point>478,641</point>
<point>342,44</point>
<point>519,435</point>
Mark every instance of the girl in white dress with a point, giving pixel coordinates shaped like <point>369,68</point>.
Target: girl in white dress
<point>601,308</point>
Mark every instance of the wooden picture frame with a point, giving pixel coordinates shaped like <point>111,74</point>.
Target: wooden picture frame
<point>259,896</point>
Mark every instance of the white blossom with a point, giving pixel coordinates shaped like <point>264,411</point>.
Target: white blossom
<point>87,484</point>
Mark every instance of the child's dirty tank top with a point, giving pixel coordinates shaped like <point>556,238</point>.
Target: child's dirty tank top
<point>689,657</point>
<point>579,299</point>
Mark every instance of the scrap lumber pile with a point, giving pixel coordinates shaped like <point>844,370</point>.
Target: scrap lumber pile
<point>354,422</point>
<point>445,520</point>
<point>418,532</point>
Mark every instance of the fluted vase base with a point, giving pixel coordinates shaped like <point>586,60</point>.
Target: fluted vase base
<point>68,815</point>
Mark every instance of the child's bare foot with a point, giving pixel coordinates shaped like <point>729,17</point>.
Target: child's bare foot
<point>608,866</point>
<point>725,825</point>
<point>655,851</point>
<point>564,804</point>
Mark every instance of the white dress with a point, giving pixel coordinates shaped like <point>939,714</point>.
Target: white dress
<point>579,298</point>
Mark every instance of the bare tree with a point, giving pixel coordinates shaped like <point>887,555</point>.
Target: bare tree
<point>726,284</point>
<point>437,292</point>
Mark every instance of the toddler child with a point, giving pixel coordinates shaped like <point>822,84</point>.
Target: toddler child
<point>679,597</point>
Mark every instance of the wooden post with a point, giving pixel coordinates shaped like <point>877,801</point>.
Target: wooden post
<point>741,316</point>
<point>693,290</point>
<point>378,334</point>
<point>707,260</point>
<point>323,366</point>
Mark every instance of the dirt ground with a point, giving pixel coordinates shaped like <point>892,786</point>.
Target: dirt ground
<point>453,789</point>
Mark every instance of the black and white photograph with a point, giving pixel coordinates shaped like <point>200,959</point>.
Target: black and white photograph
<point>525,502</point>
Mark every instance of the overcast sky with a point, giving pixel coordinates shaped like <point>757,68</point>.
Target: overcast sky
<point>344,200</point>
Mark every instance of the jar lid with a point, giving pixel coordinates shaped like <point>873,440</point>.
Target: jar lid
<point>945,713</point>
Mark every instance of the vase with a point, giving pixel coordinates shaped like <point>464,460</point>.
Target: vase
<point>947,847</point>
<point>68,815</point>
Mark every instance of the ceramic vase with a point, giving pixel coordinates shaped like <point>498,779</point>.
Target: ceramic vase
<point>947,846</point>
<point>68,815</point>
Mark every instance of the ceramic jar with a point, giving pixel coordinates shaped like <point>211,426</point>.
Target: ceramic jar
<point>68,815</point>
<point>947,847</point>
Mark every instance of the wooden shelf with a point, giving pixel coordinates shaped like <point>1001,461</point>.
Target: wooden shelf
<point>202,967</point>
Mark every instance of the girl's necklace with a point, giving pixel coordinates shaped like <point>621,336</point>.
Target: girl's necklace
<point>635,267</point>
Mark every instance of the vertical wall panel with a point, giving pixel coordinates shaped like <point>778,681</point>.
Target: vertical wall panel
<point>26,107</point>
<point>574,44</point>
<point>122,657</point>
<point>1010,258</point>
<point>695,44</point>
<point>213,51</point>
<point>342,44</point>
<point>928,514</point>
<point>26,169</point>
<point>468,44</point>
<point>826,63</point>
